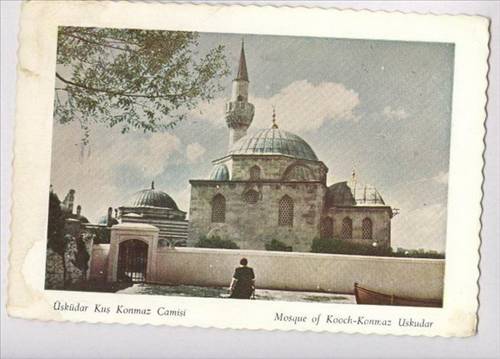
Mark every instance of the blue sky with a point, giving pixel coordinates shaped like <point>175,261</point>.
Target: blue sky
<point>382,107</point>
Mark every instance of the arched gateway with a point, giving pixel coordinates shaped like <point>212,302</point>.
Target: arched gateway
<point>132,261</point>
<point>132,252</point>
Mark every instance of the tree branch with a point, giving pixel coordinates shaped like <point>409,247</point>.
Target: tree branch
<point>99,43</point>
<point>118,93</point>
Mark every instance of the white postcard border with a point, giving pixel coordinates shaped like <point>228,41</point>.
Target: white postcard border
<point>32,155</point>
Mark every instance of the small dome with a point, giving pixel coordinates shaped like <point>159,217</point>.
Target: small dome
<point>151,198</point>
<point>220,173</point>
<point>273,141</point>
<point>353,194</point>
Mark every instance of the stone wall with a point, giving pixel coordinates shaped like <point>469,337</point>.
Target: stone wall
<point>380,217</point>
<point>54,270</point>
<point>272,167</point>
<point>73,268</point>
<point>413,277</point>
<point>253,225</point>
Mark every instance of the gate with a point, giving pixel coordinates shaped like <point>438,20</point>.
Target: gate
<point>132,261</point>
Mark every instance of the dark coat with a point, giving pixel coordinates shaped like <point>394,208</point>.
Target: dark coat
<point>243,288</point>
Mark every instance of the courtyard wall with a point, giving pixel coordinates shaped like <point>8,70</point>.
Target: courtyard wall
<point>414,277</point>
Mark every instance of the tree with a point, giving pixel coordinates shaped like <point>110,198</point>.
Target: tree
<point>55,225</point>
<point>136,79</point>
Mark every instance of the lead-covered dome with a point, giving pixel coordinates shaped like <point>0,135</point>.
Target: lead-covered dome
<point>152,198</point>
<point>353,193</point>
<point>220,173</point>
<point>273,141</point>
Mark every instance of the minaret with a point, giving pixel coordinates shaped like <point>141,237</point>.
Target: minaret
<point>239,112</point>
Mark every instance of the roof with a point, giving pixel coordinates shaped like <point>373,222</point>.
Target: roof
<point>273,141</point>
<point>242,67</point>
<point>353,193</point>
<point>151,197</point>
<point>220,173</point>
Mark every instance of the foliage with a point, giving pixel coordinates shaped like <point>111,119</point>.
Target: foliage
<point>417,253</point>
<point>55,225</point>
<point>82,256</point>
<point>135,79</point>
<point>276,245</point>
<point>336,246</point>
<point>347,247</point>
<point>102,234</point>
<point>216,242</point>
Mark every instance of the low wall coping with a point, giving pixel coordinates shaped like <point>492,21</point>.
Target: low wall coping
<point>136,227</point>
<point>259,253</point>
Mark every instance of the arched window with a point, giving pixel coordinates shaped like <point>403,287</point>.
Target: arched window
<point>346,232</point>
<point>327,228</point>
<point>255,173</point>
<point>367,228</point>
<point>285,216</point>
<point>218,209</point>
<point>251,196</point>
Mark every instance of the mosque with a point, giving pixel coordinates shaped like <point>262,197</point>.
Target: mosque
<point>271,185</point>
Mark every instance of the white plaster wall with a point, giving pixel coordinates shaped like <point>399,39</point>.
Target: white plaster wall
<point>422,278</point>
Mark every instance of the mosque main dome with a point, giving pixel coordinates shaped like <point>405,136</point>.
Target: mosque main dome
<point>152,198</point>
<point>273,141</point>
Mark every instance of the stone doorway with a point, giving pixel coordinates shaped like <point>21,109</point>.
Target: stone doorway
<point>132,261</point>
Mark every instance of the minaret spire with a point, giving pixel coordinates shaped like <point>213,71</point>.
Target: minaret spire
<point>242,67</point>
<point>239,112</point>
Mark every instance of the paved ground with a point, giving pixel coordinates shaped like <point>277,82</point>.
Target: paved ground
<point>262,294</point>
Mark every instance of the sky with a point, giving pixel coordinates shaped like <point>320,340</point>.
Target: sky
<point>381,107</point>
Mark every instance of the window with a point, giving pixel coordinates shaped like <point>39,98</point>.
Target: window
<point>327,228</point>
<point>367,228</point>
<point>346,232</point>
<point>285,216</point>
<point>251,196</point>
<point>218,209</point>
<point>255,173</point>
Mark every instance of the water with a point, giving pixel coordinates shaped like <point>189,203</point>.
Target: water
<point>217,292</point>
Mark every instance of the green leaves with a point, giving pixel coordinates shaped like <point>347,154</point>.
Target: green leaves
<point>136,79</point>
<point>216,242</point>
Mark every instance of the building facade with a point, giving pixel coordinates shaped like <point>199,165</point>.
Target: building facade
<point>271,185</point>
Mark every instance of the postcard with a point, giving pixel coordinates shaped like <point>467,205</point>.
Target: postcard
<point>253,167</point>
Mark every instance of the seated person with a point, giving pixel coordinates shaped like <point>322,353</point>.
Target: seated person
<point>243,283</point>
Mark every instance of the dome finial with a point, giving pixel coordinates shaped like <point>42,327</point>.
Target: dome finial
<point>152,184</point>
<point>274,118</point>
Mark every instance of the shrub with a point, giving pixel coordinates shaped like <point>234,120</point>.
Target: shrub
<point>216,242</point>
<point>276,245</point>
<point>336,246</point>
